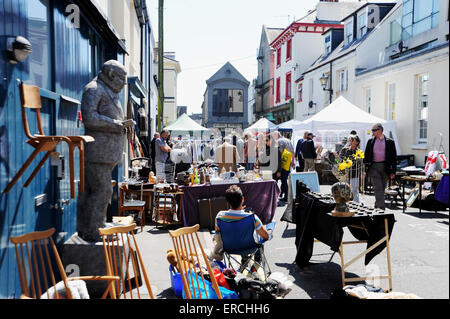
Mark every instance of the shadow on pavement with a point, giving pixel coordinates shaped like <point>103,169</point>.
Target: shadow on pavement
<point>427,215</point>
<point>318,280</point>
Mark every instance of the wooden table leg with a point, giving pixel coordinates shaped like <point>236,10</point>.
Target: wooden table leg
<point>420,197</point>
<point>341,253</point>
<point>388,253</point>
<point>404,201</point>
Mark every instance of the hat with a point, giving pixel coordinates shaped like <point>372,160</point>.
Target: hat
<point>310,133</point>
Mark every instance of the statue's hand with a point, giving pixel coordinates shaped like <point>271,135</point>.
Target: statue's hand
<point>128,123</point>
<point>119,123</point>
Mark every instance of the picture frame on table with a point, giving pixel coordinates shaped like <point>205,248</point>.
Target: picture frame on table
<point>310,179</point>
<point>412,197</point>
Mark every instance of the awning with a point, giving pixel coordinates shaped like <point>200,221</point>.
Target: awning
<point>94,13</point>
<point>136,89</point>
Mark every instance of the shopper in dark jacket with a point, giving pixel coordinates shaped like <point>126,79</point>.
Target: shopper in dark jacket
<point>299,155</point>
<point>380,157</point>
<point>309,152</point>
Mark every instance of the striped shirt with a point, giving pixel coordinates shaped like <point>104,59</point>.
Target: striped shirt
<point>234,215</point>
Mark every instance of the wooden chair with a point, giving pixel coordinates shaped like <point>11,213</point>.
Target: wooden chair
<point>121,250</point>
<point>130,205</point>
<point>187,248</point>
<point>31,99</point>
<point>34,253</point>
<point>165,207</point>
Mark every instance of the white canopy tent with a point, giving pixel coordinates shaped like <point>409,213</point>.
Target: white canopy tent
<point>337,120</point>
<point>184,125</point>
<point>262,125</point>
<point>287,126</point>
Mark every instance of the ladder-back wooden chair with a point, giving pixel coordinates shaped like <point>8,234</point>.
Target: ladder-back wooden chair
<point>130,205</point>
<point>31,99</point>
<point>34,254</point>
<point>121,250</point>
<point>188,250</point>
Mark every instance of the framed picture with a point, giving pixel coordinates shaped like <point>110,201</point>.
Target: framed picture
<point>412,197</point>
<point>310,179</point>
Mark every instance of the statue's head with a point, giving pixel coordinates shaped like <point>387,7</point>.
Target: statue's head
<point>114,75</point>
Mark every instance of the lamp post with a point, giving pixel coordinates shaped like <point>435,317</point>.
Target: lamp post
<point>324,83</point>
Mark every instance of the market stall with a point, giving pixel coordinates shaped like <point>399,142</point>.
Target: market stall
<point>334,123</point>
<point>260,196</point>
<point>184,125</point>
<point>263,125</point>
<point>287,126</point>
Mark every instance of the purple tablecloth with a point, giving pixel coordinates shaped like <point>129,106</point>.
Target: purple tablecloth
<point>442,190</point>
<point>261,196</point>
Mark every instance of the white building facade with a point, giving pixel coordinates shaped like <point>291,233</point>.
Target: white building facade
<point>403,75</point>
<point>172,68</point>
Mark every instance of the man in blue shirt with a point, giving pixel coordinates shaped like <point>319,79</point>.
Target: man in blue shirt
<point>162,151</point>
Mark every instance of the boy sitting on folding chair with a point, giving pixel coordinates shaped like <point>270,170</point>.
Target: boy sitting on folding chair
<point>236,231</point>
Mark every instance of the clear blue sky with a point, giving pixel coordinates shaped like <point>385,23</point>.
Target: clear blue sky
<point>205,34</point>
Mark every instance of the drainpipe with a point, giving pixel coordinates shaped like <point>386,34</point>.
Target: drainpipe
<point>331,82</point>
<point>160,64</point>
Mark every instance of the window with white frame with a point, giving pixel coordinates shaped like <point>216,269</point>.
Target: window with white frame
<point>328,44</point>
<point>368,100</point>
<point>422,108</point>
<point>342,80</point>
<point>362,27</point>
<point>349,32</point>
<point>391,101</point>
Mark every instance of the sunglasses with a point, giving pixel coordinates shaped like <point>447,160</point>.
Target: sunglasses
<point>374,130</point>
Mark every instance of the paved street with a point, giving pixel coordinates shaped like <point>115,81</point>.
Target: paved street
<point>419,257</point>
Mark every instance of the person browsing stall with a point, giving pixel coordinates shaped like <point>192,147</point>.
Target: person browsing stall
<point>162,151</point>
<point>309,152</point>
<point>348,152</point>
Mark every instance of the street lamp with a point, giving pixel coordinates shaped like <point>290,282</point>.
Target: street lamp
<point>324,82</point>
<point>18,49</point>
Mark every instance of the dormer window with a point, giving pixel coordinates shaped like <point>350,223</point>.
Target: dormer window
<point>348,32</point>
<point>328,44</point>
<point>362,27</point>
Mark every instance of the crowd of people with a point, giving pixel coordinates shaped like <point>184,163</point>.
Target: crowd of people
<point>276,153</point>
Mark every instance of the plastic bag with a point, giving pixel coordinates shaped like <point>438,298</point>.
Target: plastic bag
<point>210,292</point>
<point>430,165</point>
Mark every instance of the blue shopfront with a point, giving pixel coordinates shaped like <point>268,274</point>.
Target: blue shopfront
<point>67,52</point>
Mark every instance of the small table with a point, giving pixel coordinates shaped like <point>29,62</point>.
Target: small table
<point>418,179</point>
<point>315,221</point>
<point>144,194</point>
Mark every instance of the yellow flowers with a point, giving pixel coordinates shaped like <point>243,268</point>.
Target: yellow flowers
<point>358,155</point>
<point>349,163</point>
<point>342,166</point>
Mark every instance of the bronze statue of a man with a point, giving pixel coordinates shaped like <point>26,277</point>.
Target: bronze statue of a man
<point>103,119</point>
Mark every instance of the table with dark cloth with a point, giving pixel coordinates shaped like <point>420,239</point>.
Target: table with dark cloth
<point>442,190</point>
<point>260,196</point>
<point>313,220</point>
